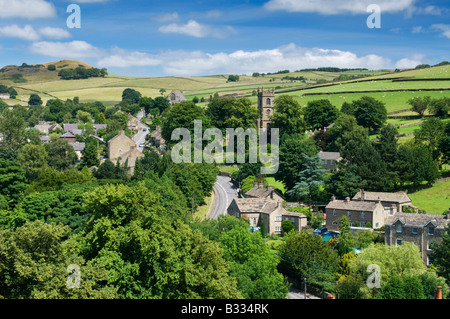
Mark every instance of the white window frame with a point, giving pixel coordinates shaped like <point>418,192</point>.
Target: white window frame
<point>253,221</point>
<point>278,229</point>
<point>278,218</point>
<point>414,230</point>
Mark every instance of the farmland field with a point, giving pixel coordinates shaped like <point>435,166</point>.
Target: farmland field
<point>434,200</point>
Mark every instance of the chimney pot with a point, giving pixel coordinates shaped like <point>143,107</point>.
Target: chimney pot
<point>347,199</point>
<point>438,294</point>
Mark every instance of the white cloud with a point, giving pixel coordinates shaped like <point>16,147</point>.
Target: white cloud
<point>444,28</point>
<point>330,7</point>
<point>30,34</point>
<point>289,57</point>
<point>14,31</point>
<point>168,17</point>
<point>122,58</point>
<point>54,33</point>
<point>195,29</point>
<point>68,50</point>
<point>418,29</point>
<point>27,9</point>
<point>410,63</point>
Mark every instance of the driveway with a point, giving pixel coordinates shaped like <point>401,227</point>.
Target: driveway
<point>224,193</point>
<point>139,138</point>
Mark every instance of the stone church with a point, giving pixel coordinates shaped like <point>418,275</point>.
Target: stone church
<point>266,100</point>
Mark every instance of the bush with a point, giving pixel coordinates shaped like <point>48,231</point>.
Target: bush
<point>51,67</point>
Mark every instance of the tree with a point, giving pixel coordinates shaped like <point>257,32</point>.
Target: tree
<point>90,156</point>
<point>370,113</point>
<point>33,159</point>
<point>310,179</point>
<point>232,113</point>
<point>131,96</point>
<point>287,226</point>
<point>12,180</point>
<point>346,132</point>
<point>161,104</point>
<point>252,264</point>
<point>345,241</point>
<point>35,99</point>
<point>345,182</point>
<point>430,134</point>
<point>308,257</point>
<point>440,257</point>
<point>387,147</point>
<point>439,107</point>
<point>61,155</point>
<point>35,261</point>
<point>146,254</point>
<point>233,78</point>
<point>291,158</point>
<point>12,127</point>
<point>288,116</point>
<point>162,91</point>
<point>146,103</point>
<point>419,104</point>
<point>320,114</point>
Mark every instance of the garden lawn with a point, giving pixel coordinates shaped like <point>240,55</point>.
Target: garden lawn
<point>434,200</point>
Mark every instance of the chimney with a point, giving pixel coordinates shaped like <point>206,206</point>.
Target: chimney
<point>347,199</point>
<point>333,198</point>
<point>438,293</point>
<point>363,195</point>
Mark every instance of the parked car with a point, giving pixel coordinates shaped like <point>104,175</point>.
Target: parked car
<point>331,233</point>
<point>144,129</point>
<point>320,231</point>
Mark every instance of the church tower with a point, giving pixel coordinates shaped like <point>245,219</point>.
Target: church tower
<point>266,100</point>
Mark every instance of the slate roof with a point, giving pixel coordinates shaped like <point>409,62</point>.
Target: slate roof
<point>399,197</point>
<point>329,155</point>
<point>261,192</point>
<point>419,220</point>
<point>261,205</point>
<point>77,146</point>
<point>67,135</point>
<point>352,205</point>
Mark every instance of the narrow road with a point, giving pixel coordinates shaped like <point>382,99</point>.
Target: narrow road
<point>224,193</point>
<point>139,138</point>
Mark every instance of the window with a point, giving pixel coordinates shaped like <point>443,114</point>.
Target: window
<point>334,223</point>
<point>363,224</point>
<point>363,215</point>
<point>430,230</point>
<point>268,101</point>
<point>334,212</point>
<point>399,242</point>
<point>252,221</point>
<point>349,214</point>
<point>414,230</point>
<point>278,229</point>
<point>278,218</point>
<point>428,245</point>
<point>293,220</point>
<point>398,228</point>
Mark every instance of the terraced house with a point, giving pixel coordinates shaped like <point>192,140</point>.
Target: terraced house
<point>420,229</point>
<point>271,212</point>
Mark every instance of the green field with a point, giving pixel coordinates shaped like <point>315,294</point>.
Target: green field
<point>434,200</point>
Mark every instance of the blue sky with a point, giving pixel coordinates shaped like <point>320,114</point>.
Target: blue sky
<point>182,38</point>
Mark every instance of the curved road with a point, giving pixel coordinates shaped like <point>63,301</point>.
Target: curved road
<point>224,193</point>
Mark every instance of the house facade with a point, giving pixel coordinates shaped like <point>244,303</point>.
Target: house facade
<point>420,229</point>
<point>399,199</point>
<point>261,211</point>
<point>124,149</point>
<point>362,213</point>
<point>259,191</point>
<point>175,97</point>
<point>330,160</point>
<point>4,96</point>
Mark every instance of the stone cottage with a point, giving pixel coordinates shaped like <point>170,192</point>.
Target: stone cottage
<point>272,213</point>
<point>123,148</point>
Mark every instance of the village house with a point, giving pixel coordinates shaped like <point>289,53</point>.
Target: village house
<point>123,148</point>
<point>330,160</point>
<point>133,123</point>
<point>261,211</point>
<point>156,138</point>
<point>370,214</point>
<point>69,137</point>
<point>78,148</point>
<point>420,229</point>
<point>175,97</point>
<point>399,199</point>
<point>47,128</point>
<point>73,128</point>
<point>259,191</point>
